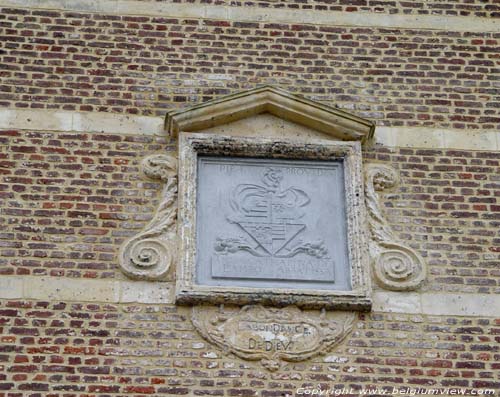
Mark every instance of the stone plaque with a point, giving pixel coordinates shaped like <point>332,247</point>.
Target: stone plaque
<point>272,335</point>
<point>271,223</point>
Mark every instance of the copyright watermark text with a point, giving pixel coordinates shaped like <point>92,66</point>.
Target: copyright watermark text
<point>395,391</point>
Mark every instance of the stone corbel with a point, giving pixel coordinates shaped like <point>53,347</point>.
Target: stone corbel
<point>396,266</point>
<point>150,254</point>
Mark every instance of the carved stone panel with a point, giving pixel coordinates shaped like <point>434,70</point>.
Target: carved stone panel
<point>271,223</point>
<point>272,335</point>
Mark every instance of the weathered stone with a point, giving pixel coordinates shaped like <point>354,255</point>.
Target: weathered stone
<point>395,266</point>
<point>272,335</point>
<point>267,99</point>
<point>149,255</point>
<point>203,262</point>
<point>271,223</point>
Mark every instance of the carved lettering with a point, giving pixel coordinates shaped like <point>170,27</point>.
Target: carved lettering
<point>302,329</point>
<point>321,270</point>
<point>269,345</point>
<point>271,335</point>
<point>231,169</point>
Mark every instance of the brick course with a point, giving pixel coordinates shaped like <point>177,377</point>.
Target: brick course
<point>147,65</point>
<point>447,210</point>
<point>70,348</point>
<point>478,8</point>
<point>70,199</point>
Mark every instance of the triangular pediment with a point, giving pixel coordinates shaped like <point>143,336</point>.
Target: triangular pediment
<point>328,120</point>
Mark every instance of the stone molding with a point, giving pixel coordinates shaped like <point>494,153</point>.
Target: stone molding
<point>150,254</point>
<point>396,266</point>
<point>73,121</point>
<point>278,15</point>
<point>272,335</point>
<point>126,291</point>
<point>85,290</point>
<point>438,138</point>
<point>336,123</point>
<point>109,123</point>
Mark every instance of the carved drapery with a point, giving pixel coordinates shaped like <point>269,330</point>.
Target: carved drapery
<point>395,266</point>
<point>150,254</point>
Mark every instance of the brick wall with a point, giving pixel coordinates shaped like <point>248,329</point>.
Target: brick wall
<point>441,7</point>
<point>447,207</point>
<point>69,349</point>
<point>70,199</point>
<point>147,65</point>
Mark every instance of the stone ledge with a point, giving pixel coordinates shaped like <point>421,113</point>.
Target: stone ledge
<point>439,304</point>
<point>220,12</point>
<point>93,122</point>
<point>435,138</point>
<point>76,290</point>
<point>85,290</point>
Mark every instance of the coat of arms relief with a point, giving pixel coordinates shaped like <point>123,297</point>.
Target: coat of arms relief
<point>264,239</point>
<point>261,223</point>
<point>270,216</point>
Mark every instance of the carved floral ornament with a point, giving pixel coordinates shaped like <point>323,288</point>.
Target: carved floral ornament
<point>150,254</point>
<point>395,266</point>
<point>169,243</point>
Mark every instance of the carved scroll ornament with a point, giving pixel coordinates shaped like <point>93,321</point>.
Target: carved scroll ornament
<point>395,266</point>
<point>149,254</point>
<point>272,335</point>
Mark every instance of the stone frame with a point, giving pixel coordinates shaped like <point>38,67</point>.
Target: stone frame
<point>188,292</point>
